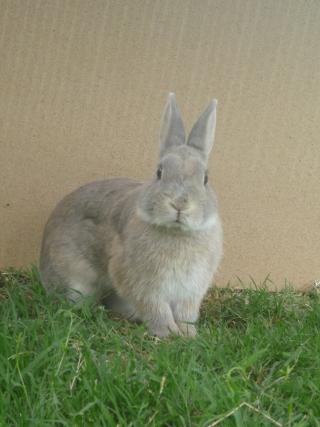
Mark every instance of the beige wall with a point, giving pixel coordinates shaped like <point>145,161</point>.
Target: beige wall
<point>82,87</point>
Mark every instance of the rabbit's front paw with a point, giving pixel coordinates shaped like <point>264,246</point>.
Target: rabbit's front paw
<point>187,329</point>
<point>164,330</point>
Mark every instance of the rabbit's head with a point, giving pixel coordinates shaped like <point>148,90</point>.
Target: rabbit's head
<point>179,195</point>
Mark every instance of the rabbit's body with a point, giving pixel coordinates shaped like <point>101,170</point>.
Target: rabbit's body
<point>149,250</point>
<point>77,241</point>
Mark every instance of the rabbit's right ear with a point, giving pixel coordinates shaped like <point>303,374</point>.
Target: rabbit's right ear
<point>202,134</point>
<point>172,131</point>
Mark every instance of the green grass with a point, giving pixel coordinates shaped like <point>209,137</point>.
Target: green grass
<point>63,365</point>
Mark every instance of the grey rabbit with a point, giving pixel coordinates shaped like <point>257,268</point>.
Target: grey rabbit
<point>148,250</point>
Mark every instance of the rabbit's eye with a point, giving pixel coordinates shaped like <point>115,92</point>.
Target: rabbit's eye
<point>159,173</point>
<point>205,181</point>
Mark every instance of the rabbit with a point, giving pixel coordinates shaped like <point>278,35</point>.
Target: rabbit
<point>149,250</point>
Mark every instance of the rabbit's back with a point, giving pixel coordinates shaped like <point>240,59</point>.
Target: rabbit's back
<point>92,201</point>
<point>78,235</point>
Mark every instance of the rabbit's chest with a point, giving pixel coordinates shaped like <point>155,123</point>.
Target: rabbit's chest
<point>179,278</point>
<point>169,269</point>
<point>176,285</point>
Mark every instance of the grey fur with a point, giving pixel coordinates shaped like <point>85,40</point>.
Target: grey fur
<point>148,250</point>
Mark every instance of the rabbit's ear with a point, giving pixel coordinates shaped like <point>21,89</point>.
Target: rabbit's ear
<point>172,131</point>
<point>202,133</point>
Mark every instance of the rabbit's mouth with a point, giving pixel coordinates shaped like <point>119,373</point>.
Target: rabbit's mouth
<point>180,222</point>
<point>178,217</point>
<point>177,225</point>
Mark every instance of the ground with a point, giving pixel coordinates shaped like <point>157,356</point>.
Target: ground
<point>255,362</point>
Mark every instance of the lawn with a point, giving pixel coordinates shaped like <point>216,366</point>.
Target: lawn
<point>255,362</point>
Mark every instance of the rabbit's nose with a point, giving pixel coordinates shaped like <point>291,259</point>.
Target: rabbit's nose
<point>179,204</point>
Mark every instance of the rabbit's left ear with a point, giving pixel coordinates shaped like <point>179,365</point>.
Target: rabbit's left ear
<point>202,133</point>
<point>172,130</point>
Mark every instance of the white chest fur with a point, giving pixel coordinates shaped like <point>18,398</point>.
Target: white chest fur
<point>180,282</point>
<point>171,269</point>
